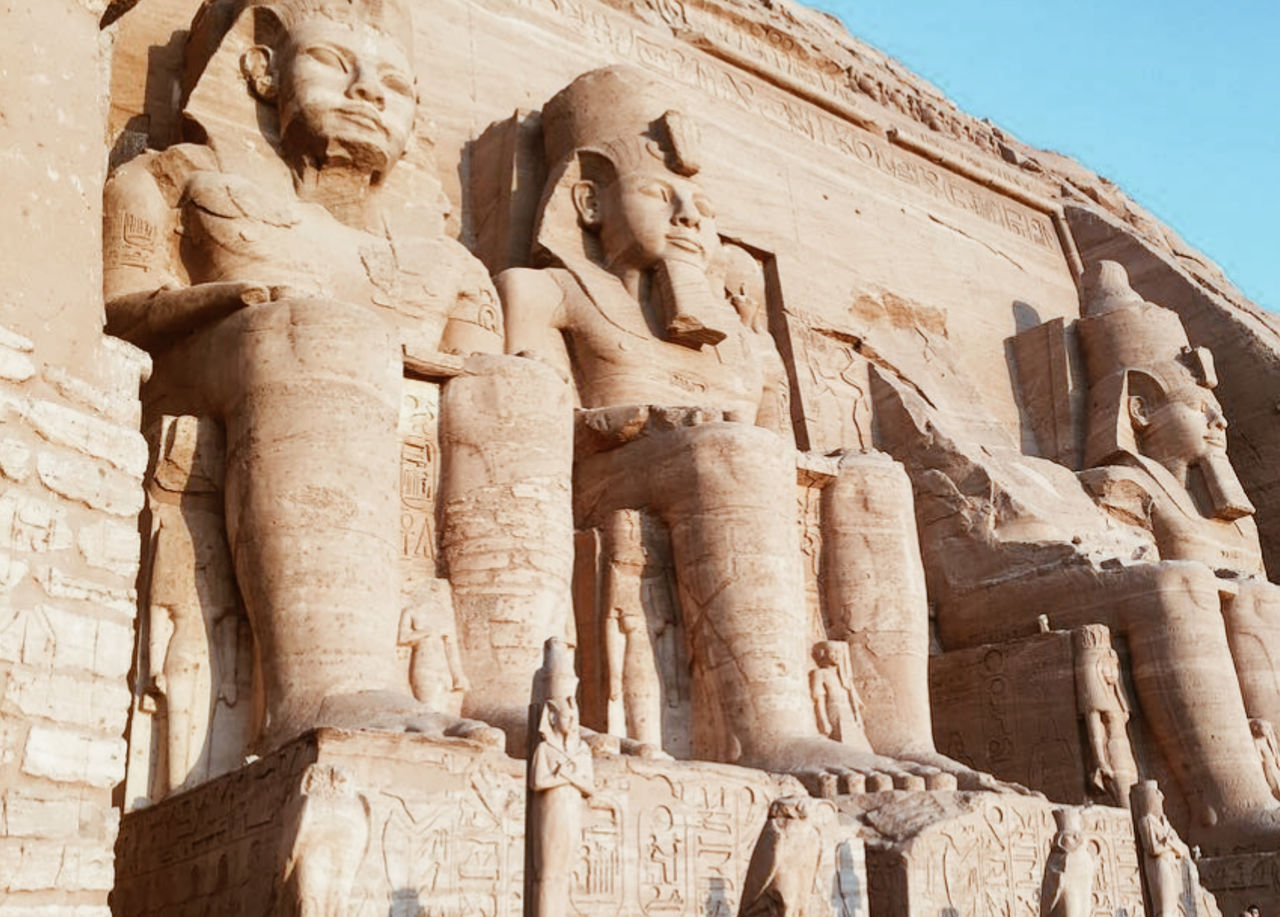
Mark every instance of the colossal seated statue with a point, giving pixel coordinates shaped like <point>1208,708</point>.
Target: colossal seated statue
<point>1153,539</point>
<point>683,415</point>
<point>278,273</point>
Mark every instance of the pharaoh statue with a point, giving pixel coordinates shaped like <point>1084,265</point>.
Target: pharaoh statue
<point>683,415</point>
<point>282,271</point>
<point>1154,539</point>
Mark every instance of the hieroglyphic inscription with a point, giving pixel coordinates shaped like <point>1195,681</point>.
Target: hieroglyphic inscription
<point>446,835</point>
<point>419,470</point>
<point>1241,880</point>
<point>992,860</point>
<point>727,83</point>
<point>791,61</point>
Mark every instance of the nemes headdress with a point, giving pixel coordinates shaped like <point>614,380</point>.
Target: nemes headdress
<point>1122,334</point>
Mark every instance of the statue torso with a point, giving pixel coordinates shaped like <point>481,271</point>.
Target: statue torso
<point>618,359</point>
<point>234,228</point>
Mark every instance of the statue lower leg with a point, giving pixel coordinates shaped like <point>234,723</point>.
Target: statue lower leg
<point>312,479</point>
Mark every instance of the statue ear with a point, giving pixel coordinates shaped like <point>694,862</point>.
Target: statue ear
<point>1138,412</point>
<point>257,66</point>
<point>586,200</point>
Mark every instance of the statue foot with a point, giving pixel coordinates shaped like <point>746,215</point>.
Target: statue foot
<point>393,712</point>
<point>966,777</point>
<point>828,768</point>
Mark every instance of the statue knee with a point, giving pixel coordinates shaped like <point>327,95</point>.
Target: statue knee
<point>1178,592</point>
<point>330,338</point>
<point>750,460</point>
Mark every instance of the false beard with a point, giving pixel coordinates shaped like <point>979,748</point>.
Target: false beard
<point>689,312</point>
<point>1223,488</point>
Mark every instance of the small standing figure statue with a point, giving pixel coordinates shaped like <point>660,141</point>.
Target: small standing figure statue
<point>1264,739</point>
<point>1171,876</point>
<point>560,777</point>
<point>1105,709</point>
<point>1070,871</point>
<point>836,703</point>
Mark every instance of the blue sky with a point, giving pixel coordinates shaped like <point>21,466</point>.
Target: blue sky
<point>1178,102</point>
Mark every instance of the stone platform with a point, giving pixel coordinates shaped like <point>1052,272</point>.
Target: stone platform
<point>367,824</point>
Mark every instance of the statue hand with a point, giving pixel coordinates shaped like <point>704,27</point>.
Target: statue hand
<point>144,317</point>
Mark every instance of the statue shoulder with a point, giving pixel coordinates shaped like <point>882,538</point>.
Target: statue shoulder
<point>531,288</point>
<point>1126,492</point>
<point>165,172</point>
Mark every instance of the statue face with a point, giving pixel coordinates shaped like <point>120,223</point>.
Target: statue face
<point>345,94</point>
<point>563,715</point>
<point>653,215</point>
<point>1188,427</point>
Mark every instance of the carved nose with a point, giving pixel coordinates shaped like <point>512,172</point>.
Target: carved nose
<point>367,88</point>
<point>686,212</point>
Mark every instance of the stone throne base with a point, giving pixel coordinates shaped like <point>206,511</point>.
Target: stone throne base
<point>368,824</point>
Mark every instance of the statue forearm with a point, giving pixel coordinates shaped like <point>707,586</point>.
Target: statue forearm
<point>147,316</point>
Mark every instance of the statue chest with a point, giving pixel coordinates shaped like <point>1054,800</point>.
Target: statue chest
<point>234,230</point>
<point>618,359</point>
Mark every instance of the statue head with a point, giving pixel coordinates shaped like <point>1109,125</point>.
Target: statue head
<point>337,75</point>
<point>1070,834</point>
<point>1151,393</point>
<point>826,653</point>
<point>557,689</point>
<point>1146,800</point>
<point>623,195</point>
<point>628,165</point>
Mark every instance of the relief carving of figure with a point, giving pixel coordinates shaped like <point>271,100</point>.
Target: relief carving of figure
<point>785,861</point>
<point>277,268</point>
<point>1101,700</point>
<point>193,648</point>
<point>1268,746</point>
<point>836,703</point>
<point>326,839</point>
<point>663,336</point>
